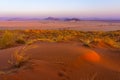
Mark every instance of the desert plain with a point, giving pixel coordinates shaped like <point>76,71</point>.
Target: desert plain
<point>59,50</point>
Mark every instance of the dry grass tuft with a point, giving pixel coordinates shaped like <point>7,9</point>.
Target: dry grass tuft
<point>11,38</point>
<point>88,38</point>
<point>7,40</point>
<point>19,58</point>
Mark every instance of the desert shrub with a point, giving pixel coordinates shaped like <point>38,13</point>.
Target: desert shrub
<point>7,39</point>
<point>87,43</point>
<point>59,38</point>
<point>10,38</point>
<point>110,42</point>
<point>29,42</point>
<point>87,38</point>
<point>19,58</point>
<point>106,41</point>
<point>20,39</point>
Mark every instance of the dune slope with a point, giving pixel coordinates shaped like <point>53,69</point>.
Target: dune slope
<point>63,61</point>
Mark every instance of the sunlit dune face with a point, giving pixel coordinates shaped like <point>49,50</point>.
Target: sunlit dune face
<point>86,55</point>
<point>91,56</point>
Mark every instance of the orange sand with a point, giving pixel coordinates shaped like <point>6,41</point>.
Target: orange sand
<point>79,25</point>
<point>63,61</point>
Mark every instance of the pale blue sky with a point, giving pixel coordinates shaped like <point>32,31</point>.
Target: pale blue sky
<point>60,8</point>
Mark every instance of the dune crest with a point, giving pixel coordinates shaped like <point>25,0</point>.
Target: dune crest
<point>91,56</point>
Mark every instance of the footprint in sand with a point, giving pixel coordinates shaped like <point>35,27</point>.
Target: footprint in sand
<point>63,75</point>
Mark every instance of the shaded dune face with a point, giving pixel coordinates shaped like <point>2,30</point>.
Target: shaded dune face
<point>90,56</point>
<point>109,64</point>
<point>39,70</point>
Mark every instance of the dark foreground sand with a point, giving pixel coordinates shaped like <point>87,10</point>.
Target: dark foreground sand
<point>63,61</point>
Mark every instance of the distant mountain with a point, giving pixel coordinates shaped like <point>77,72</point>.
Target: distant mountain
<point>52,18</point>
<point>71,19</point>
<point>24,19</point>
<point>18,19</point>
<point>55,19</point>
<point>3,18</point>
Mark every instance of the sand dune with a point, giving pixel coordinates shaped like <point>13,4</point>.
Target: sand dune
<point>63,61</point>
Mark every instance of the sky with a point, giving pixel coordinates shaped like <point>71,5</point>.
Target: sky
<point>61,8</point>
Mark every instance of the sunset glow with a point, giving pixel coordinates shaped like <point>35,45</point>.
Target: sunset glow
<point>61,8</point>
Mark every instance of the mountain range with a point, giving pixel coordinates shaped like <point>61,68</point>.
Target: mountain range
<point>52,18</point>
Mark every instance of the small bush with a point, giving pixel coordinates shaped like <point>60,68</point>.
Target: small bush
<point>111,42</point>
<point>19,58</point>
<point>20,39</point>
<point>7,40</point>
<point>86,43</point>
